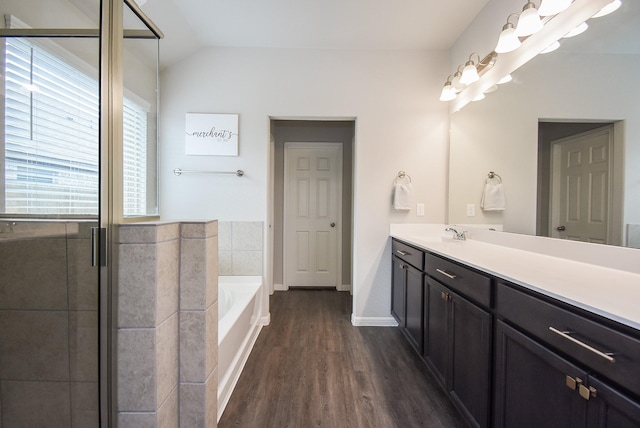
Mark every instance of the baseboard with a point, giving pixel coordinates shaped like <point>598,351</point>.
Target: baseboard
<point>266,320</point>
<point>344,287</point>
<point>373,321</point>
<point>282,287</point>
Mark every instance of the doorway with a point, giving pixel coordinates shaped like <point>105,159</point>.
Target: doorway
<point>578,164</point>
<point>312,202</point>
<point>310,132</point>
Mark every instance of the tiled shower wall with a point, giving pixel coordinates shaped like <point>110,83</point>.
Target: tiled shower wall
<point>167,335</point>
<point>240,247</point>
<point>48,325</point>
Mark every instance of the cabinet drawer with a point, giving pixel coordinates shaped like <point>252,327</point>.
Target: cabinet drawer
<point>460,279</point>
<point>604,350</point>
<point>409,254</point>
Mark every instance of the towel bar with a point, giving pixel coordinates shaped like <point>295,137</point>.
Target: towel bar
<point>402,175</point>
<point>493,175</point>
<point>179,171</point>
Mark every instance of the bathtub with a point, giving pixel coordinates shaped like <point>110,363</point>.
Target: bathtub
<point>239,302</point>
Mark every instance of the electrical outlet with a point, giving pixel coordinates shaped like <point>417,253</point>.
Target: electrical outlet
<point>471,210</point>
<point>420,210</point>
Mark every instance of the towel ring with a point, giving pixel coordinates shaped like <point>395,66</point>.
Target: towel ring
<point>493,175</point>
<point>402,175</point>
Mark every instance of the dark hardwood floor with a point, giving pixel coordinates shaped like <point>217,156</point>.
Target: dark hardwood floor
<point>311,368</point>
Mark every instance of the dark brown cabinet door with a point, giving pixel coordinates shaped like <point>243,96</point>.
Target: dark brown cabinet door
<point>398,290</point>
<point>609,408</point>
<point>470,372</point>
<point>457,346</point>
<point>534,386</point>
<point>436,347</point>
<point>414,307</point>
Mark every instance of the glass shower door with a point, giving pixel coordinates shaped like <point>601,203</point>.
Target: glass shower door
<point>49,202</point>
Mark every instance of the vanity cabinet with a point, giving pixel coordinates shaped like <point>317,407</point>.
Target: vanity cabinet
<point>512,357</point>
<point>457,336</point>
<point>553,359</point>
<point>407,289</point>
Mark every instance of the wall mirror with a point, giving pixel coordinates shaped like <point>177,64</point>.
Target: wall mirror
<point>554,103</point>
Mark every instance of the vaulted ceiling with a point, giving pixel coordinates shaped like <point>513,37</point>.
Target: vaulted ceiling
<point>328,24</point>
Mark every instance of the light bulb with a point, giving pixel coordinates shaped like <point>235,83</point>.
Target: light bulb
<point>578,30</point>
<point>508,40</point>
<point>505,79</point>
<point>448,92</point>
<point>611,7</point>
<point>457,86</point>
<point>469,74</point>
<point>479,97</point>
<point>529,21</point>
<point>553,7</point>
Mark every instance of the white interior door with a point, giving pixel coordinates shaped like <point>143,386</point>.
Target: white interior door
<point>312,214</point>
<point>580,202</point>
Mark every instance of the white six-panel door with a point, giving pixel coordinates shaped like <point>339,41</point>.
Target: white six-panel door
<point>312,214</point>
<point>580,205</point>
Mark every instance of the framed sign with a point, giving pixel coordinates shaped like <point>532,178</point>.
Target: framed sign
<point>211,134</point>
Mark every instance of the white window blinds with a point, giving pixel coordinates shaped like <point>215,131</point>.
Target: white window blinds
<point>52,137</point>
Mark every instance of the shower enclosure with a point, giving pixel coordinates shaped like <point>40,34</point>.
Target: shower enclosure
<point>77,156</point>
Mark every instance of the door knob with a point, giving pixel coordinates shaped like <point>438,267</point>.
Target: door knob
<point>561,228</point>
<point>333,225</point>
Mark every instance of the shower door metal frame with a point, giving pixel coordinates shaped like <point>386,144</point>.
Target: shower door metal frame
<point>111,34</point>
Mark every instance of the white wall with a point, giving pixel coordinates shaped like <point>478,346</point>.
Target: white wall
<point>400,125</point>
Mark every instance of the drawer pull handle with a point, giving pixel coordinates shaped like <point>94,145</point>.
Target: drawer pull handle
<point>403,253</point>
<point>606,355</point>
<point>445,273</point>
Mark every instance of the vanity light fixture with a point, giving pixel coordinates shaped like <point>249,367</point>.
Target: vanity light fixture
<point>611,7</point>
<point>456,80</point>
<point>448,91</point>
<point>552,47</point>
<point>470,71</point>
<point>508,40</point>
<point>553,7</point>
<point>578,30</point>
<point>479,97</point>
<point>529,21</point>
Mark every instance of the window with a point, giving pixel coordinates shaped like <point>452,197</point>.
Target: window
<point>51,145</point>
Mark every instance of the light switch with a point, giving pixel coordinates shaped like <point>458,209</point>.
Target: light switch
<point>420,209</point>
<point>471,210</point>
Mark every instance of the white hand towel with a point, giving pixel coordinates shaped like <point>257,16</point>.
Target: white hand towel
<point>403,196</point>
<point>493,198</point>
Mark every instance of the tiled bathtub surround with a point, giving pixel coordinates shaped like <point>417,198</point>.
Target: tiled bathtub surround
<point>167,323</point>
<point>240,247</point>
<point>48,325</point>
<point>198,324</point>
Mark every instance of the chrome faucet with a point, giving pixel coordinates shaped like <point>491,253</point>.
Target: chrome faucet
<point>460,236</point>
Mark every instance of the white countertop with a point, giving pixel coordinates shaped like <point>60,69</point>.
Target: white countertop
<point>612,293</point>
